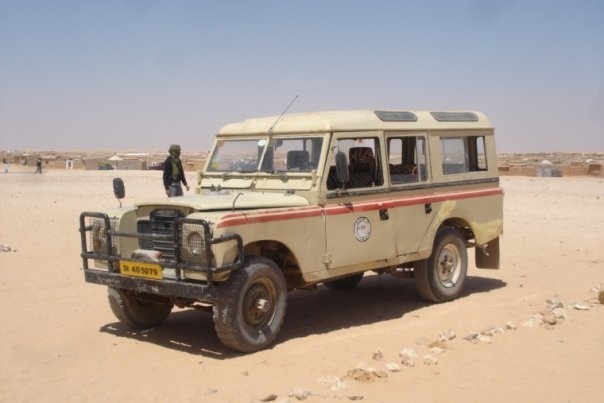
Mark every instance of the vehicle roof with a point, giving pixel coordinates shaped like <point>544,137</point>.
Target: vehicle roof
<point>359,120</point>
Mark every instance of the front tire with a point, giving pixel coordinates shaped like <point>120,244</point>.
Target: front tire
<point>136,311</point>
<point>442,276</point>
<point>251,306</point>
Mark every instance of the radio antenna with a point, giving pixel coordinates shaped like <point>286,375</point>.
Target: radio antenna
<point>270,132</point>
<point>282,113</point>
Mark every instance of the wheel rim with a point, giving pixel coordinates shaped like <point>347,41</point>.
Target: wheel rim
<point>259,305</point>
<point>448,265</point>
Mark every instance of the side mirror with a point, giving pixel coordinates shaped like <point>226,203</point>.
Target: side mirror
<point>118,189</point>
<point>342,168</point>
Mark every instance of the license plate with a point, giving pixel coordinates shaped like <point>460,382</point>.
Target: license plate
<point>141,269</point>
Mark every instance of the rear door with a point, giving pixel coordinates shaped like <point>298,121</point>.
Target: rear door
<point>409,177</point>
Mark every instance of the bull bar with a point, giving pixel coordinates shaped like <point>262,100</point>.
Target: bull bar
<point>178,287</point>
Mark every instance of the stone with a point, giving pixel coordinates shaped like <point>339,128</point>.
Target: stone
<point>437,350</point>
<point>484,339</point>
<point>5,248</point>
<point>299,393</point>
<point>553,303</point>
<point>407,357</point>
<point>438,343</point>
<point>333,382</point>
<point>601,297</point>
<point>488,331</point>
<point>393,367</point>
<point>492,331</point>
<point>581,307</point>
<point>430,360</point>
<point>377,355</point>
<point>529,323</point>
<point>510,325</point>
<point>560,313</point>
<point>378,373</point>
<point>360,374</point>
<point>407,352</point>
<point>447,335</point>
<point>270,398</point>
<point>408,362</point>
<point>472,337</point>
<point>550,319</point>
<point>210,391</point>
<point>537,319</point>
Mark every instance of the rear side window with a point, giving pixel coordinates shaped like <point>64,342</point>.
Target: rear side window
<point>463,154</point>
<point>407,159</point>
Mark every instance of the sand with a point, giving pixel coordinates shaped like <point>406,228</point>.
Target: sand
<point>61,343</point>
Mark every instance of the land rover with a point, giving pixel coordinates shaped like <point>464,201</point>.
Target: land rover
<point>301,200</point>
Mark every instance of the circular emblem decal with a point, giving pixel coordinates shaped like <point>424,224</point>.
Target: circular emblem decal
<point>362,229</point>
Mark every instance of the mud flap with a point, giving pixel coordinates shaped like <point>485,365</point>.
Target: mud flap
<point>488,257</point>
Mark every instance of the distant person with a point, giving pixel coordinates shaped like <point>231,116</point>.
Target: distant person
<point>173,173</point>
<point>38,167</point>
<point>5,165</point>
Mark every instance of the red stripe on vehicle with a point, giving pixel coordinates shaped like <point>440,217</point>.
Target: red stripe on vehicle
<point>244,218</point>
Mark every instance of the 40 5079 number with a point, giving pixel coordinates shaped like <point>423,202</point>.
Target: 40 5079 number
<point>141,269</point>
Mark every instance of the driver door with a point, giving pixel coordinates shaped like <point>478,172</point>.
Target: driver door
<point>358,229</point>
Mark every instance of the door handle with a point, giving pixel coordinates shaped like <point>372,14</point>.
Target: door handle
<point>428,208</point>
<point>384,214</point>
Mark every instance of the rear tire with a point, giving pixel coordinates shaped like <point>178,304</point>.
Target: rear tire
<point>136,311</point>
<point>442,276</point>
<point>251,306</point>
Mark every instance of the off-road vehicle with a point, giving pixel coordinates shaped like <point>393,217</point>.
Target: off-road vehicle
<point>299,200</point>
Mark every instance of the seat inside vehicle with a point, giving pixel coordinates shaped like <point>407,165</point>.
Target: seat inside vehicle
<point>362,167</point>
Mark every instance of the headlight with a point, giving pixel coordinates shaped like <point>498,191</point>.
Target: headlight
<point>193,247</point>
<point>194,243</point>
<point>98,235</point>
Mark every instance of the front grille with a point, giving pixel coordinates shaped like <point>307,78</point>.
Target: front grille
<point>161,222</point>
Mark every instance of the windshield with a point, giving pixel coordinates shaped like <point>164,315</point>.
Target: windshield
<point>291,154</point>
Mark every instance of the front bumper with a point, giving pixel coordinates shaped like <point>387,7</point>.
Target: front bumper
<point>168,288</point>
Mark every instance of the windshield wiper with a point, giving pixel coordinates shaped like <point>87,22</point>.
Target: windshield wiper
<point>230,174</point>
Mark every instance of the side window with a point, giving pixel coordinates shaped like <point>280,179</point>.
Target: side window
<point>407,160</point>
<point>463,154</point>
<point>294,155</point>
<point>364,165</point>
<point>478,155</point>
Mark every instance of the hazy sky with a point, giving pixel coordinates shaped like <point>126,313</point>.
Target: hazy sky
<point>134,74</point>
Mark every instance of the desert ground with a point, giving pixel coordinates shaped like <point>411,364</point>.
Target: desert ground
<point>532,331</point>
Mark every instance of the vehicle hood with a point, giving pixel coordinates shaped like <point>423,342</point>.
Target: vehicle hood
<point>230,200</point>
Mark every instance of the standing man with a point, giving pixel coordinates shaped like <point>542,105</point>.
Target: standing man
<point>38,167</point>
<point>173,173</point>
